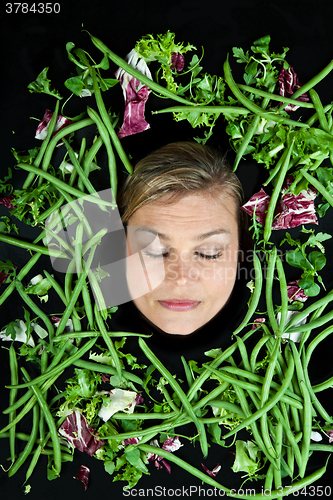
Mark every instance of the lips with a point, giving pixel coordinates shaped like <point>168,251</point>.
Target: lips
<point>179,304</point>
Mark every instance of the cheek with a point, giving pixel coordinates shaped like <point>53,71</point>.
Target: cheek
<point>221,276</point>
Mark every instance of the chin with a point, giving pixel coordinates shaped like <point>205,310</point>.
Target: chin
<point>177,327</point>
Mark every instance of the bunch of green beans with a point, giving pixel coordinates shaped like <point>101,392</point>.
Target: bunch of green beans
<point>276,401</point>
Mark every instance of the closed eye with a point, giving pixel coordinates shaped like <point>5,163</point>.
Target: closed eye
<point>166,254</point>
<point>210,257</point>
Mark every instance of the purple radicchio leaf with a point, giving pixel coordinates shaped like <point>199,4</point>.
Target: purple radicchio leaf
<point>135,95</point>
<point>171,445</point>
<point>79,433</point>
<point>291,210</point>
<point>4,275</point>
<point>214,471</point>
<point>43,126</point>
<point>177,61</point>
<point>330,435</point>
<point>7,201</point>
<point>83,475</point>
<point>295,293</point>
<point>258,204</point>
<point>289,83</point>
<point>257,320</point>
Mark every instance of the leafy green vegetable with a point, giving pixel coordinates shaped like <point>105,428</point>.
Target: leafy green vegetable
<point>43,85</point>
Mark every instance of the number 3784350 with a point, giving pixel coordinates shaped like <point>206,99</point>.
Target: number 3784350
<point>34,8</point>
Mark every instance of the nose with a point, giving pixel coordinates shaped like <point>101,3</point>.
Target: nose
<point>181,272</point>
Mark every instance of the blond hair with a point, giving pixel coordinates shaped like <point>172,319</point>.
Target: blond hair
<point>178,169</point>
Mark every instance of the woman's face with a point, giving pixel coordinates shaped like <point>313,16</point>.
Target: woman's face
<point>196,252</point>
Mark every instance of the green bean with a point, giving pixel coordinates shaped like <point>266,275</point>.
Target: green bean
<point>321,447</point>
<point>251,105</point>
<point>319,109</point>
<point>69,129</point>
<point>269,478</point>
<point>274,97</point>
<point>306,333</point>
<point>211,395</point>
<point>251,130</point>
<point>313,307</point>
<point>61,185</point>
<point>226,405</point>
<point>151,431</point>
<point>87,305</point>
<point>289,396</point>
<point>30,404</point>
<point>80,160</point>
<point>12,397</point>
<point>28,447</point>
<point>318,185</point>
<point>30,246</point>
<point>278,451</point>
<point>43,147</point>
<point>314,81</point>
<point>98,367</point>
<point>255,431</point>
<point>137,74</point>
<point>189,375</point>
<point>290,453</point>
<point>316,405</point>
<point>59,290</point>
<point>256,294</point>
<point>143,416</point>
<point>233,110</point>
<point>23,272</point>
<point>83,177</point>
<point>61,241</point>
<point>99,297</point>
<point>307,412</point>
<point>243,352</point>
<point>103,131</point>
<point>19,435</point>
<point>327,384</point>
<point>284,294</point>
<point>264,396</point>
<point>60,367</point>
<point>78,248</point>
<point>173,383</point>
<point>108,342</point>
<point>43,369</point>
<point>314,343</point>
<point>74,296</point>
<point>170,401</point>
<point>51,425</point>
<point>214,364</point>
<point>269,404</point>
<point>276,193</point>
<point>106,119</point>
<point>94,240</point>
<point>255,351</point>
<point>317,323</point>
<point>91,154</point>
<point>51,210</point>
<point>269,288</point>
<point>35,308</point>
<point>310,121</point>
<point>289,434</point>
<point>92,333</point>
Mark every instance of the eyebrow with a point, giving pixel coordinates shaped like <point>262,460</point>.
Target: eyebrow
<point>197,238</point>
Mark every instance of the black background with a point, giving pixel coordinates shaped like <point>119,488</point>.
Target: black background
<point>29,42</point>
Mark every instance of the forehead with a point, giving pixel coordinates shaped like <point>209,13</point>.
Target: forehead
<point>200,210</point>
